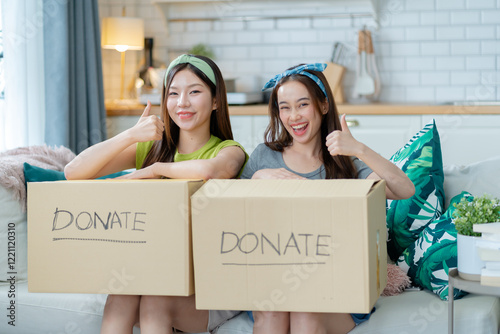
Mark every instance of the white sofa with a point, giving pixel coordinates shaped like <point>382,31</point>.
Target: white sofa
<point>409,312</point>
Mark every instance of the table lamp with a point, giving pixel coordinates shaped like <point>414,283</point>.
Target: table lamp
<point>122,34</point>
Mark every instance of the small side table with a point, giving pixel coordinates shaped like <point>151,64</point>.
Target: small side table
<point>456,281</point>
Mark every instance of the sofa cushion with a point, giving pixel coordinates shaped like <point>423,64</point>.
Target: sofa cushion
<point>52,312</point>
<point>477,178</point>
<point>429,259</point>
<point>37,174</point>
<point>422,162</point>
<point>13,234</point>
<point>416,312</point>
<point>412,312</point>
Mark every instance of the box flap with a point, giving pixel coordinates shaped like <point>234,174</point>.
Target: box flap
<point>286,188</point>
<point>102,181</point>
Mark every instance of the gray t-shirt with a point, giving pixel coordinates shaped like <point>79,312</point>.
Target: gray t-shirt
<point>263,157</point>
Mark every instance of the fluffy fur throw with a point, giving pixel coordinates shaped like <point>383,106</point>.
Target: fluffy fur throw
<point>43,156</point>
<point>397,281</point>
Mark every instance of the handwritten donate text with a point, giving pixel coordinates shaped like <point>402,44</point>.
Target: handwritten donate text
<point>280,244</point>
<point>65,220</point>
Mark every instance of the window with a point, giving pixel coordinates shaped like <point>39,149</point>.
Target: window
<point>2,88</point>
<point>2,76</point>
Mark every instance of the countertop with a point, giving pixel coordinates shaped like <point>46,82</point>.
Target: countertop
<point>135,109</point>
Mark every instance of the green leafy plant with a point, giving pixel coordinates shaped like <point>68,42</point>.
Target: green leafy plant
<point>202,50</point>
<point>481,210</point>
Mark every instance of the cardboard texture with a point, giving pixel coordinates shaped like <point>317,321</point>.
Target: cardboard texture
<point>289,245</point>
<point>111,236</point>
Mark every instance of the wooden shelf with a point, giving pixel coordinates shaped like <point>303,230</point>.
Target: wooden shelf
<point>128,109</point>
<point>136,109</point>
<point>413,109</point>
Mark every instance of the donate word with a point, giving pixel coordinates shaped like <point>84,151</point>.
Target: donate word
<point>84,220</point>
<point>302,243</point>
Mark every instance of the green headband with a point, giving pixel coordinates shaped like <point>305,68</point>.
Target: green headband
<point>196,62</point>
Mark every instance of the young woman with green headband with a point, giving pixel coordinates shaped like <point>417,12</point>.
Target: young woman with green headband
<point>306,139</point>
<point>192,139</point>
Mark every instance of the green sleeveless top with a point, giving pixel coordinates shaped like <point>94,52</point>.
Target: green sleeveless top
<point>208,151</point>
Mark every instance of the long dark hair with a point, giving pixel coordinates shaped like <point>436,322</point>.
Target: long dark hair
<point>277,138</point>
<point>164,150</point>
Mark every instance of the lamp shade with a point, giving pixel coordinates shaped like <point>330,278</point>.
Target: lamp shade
<point>122,33</point>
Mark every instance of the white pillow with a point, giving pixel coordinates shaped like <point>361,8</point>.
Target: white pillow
<point>477,178</point>
<point>13,220</point>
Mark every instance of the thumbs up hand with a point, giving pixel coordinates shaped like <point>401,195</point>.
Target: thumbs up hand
<point>146,111</point>
<point>341,142</point>
<point>149,127</point>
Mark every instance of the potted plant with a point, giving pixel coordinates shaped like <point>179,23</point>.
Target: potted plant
<point>481,210</point>
<point>201,49</point>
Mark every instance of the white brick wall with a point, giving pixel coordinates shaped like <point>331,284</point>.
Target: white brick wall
<point>427,50</point>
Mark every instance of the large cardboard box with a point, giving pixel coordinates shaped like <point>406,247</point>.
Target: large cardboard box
<point>289,245</point>
<point>111,236</point>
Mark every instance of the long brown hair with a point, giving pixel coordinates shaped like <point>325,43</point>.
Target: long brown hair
<point>164,150</point>
<point>277,138</point>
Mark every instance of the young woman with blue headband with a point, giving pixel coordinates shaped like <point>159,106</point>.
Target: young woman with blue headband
<point>192,139</point>
<point>306,139</point>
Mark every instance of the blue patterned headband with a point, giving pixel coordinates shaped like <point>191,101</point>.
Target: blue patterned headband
<point>319,67</point>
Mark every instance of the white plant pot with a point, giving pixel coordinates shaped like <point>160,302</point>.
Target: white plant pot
<point>469,262</point>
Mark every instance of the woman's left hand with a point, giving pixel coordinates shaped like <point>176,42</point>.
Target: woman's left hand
<point>144,173</point>
<point>341,142</point>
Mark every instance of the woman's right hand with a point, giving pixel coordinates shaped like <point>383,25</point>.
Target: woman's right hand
<point>149,127</point>
<point>276,173</point>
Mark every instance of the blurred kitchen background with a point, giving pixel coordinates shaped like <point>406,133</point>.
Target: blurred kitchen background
<point>426,51</point>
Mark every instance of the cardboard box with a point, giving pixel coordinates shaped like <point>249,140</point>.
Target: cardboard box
<point>111,236</point>
<point>289,245</point>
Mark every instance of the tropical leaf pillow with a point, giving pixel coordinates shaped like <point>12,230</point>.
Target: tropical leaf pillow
<point>428,260</point>
<point>422,162</point>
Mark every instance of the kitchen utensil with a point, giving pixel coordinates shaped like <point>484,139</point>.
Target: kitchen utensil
<point>340,56</point>
<point>364,82</point>
<point>372,64</point>
<point>335,53</point>
<point>338,53</point>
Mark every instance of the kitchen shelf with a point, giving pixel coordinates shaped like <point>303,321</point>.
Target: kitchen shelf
<point>165,7</point>
<point>266,17</point>
<point>113,109</point>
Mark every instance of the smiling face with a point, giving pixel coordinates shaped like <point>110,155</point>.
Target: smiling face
<point>190,102</point>
<point>298,113</point>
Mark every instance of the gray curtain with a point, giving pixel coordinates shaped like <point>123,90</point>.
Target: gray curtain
<point>74,99</point>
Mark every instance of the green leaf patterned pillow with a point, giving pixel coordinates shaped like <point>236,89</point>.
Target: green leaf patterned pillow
<point>422,162</point>
<point>428,260</point>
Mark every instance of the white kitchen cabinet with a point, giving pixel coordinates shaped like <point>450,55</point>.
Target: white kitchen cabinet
<point>243,132</point>
<point>385,134</point>
<point>117,124</point>
<point>249,130</point>
<point>467,138</point>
